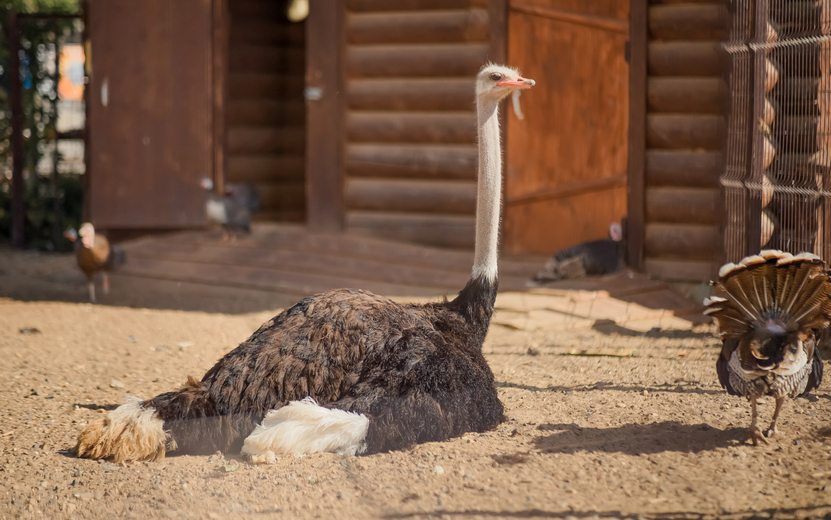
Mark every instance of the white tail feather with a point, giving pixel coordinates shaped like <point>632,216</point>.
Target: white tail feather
<point>304,427</point>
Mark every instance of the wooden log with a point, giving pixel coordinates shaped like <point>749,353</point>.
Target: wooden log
<point>266,140</point>
<point>683,205</point>
<point>682,241</point>
<point>683,168</point>
<point>414,196</point>
<point>411,94</point>
<point>684,131</point>
<point>411,127</point>
<point>265,58</point>
<point>283,196</point>
<point>468,25</point>
<point>266,31</point>
<point>671,2</point>
<point>796,14</point>
<point>437,60</point>
<point>363,6</point>
<point>687,22</point>
<point>412,161</point>
<point>771,75</point>
<point>257,9</point>
<point>256,169</point>
<point>438,230</point>
<point>265,111</point>
<point>243,85</point>
<point>297,215</point>
<point>686,95</point>
<point>684,59</point>
<point>682,270</point>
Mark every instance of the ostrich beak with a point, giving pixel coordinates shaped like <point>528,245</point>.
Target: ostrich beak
<point>519,82</point>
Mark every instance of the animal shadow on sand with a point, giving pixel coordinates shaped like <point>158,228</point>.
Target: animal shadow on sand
<point>93,406</point>
<point>809,512</point>
<point>637,439</point>
<point>610,328</point>
<point>679,387</point>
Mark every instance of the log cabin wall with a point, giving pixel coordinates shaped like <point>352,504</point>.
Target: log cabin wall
<point>265,114</point>
<point>681,236</point>
<point>409,150</point>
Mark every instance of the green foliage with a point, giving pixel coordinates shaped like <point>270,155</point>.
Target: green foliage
<point>38,96</point>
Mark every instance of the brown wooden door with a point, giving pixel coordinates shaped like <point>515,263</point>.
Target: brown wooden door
<point>150,112</point>
<point>565,173</point>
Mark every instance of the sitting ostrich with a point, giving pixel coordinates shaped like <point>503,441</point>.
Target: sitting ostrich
<point>345,371</point>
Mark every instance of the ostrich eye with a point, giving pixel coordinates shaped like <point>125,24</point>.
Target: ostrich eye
<point>496,76</point>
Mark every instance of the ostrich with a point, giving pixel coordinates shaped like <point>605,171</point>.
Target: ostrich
<point>344,371</point>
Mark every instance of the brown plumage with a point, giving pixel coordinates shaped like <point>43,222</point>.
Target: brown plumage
<point>382,375</point>
<point>95,255</point>
<point>770,309</point>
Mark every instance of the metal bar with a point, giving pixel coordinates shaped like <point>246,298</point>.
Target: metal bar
<point>15,100</point>
<point>757,143</point>
<point>636,183</point>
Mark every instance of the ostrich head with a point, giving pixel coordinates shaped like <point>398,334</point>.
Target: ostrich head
<point>87,234</point>
<point>497,81</point>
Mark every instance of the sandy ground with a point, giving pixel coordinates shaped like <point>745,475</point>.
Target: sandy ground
<point>651,435</point>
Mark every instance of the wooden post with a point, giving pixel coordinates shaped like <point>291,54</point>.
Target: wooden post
<point>635,190</point>
<point>16,100</point>
<point>324,115</point>
<point>221,31</point>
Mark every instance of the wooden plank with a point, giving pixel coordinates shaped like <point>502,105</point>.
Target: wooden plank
<point>412,161</point>
<point>451,197</point>
<point>434,60</point>
<point>359,6</point>
<point>683,58</point>
<point>690,131</point>
<point>324,116</point>
<point>263,84</point>
<point>572,17</point>
<point>258,9</point>
<point>267,31</point>
<point>683,168</point>
<point>450,26</point>
<point>686,95</point>
<point>266,111</point>
<point>566,160</point>
<point>264,58</point>
<point>151,140</point>
<point>265,140</point>
<point>682,241</point>
<point>220,24</point>
<point>411,127</point>
<point>264,168</point>
<point>498,31</point>
<point>636,167</point>
<point>429,94</point>
<point>683,205</point>
<point>438,230</point>
<point>283,196</point>
<point>687,22</point>
<point>681,270</point>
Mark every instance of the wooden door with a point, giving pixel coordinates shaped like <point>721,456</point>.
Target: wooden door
<point>565,175</point>
<point>150,112</point>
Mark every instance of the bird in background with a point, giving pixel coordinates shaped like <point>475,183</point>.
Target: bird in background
<point>233,209</point>
<point>95,255</point>
<point>597,257</point>
<point>344,371</point>
<point>770,310</point>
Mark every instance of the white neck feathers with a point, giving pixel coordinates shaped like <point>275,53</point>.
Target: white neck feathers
<point>488,197</point>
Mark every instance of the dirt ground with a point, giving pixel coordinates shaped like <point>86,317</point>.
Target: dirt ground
<point>651,435</point>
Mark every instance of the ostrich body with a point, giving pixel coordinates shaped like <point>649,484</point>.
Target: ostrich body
<point>95,255</point>
<point>345,371</point>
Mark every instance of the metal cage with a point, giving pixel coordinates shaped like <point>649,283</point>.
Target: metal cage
<point>777,175</point>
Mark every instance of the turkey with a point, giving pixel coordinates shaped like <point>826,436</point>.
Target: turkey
<point>95,255</point>
<point>345,371</point>
<point>597,257</point>
<point>770,309</point>
<point>234,209</point>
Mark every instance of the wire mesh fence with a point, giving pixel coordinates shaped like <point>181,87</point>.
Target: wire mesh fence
<point>777,175</point>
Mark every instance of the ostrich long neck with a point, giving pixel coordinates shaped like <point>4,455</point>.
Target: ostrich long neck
<point>488,197</point>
